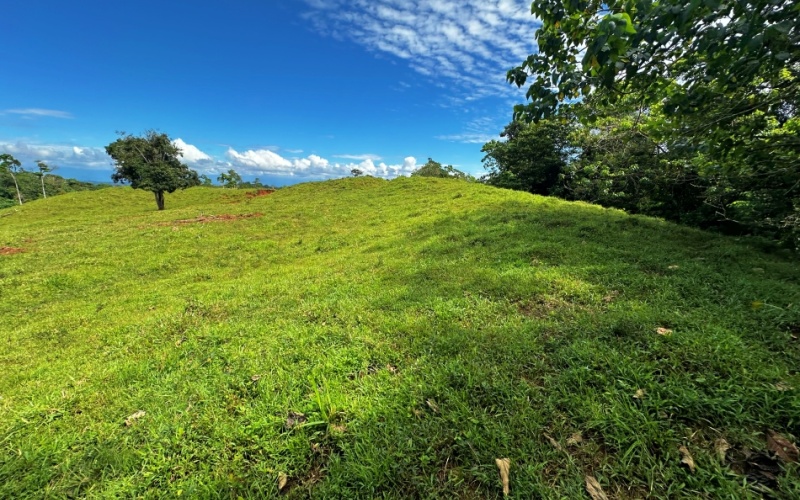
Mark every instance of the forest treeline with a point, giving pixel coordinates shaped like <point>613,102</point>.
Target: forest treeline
<point>30,186</point>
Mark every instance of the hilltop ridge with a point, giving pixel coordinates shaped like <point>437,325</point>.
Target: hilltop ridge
<point>364,338</point>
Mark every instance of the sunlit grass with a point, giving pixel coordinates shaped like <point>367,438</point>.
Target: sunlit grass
<point>421,327</point>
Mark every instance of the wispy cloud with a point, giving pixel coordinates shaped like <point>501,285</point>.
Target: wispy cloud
<point>470,44</point>
<point>475,131</point>
<point>38,112</point>
<point>359,157</point>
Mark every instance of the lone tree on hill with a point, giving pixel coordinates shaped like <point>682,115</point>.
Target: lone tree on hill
<point>230,179</point>
<point>151,163</point>
<point>44,168</point>
<point>11,165</point>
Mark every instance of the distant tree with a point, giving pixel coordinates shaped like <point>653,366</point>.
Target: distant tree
<point>230,179</point>
<point>11,165</point>
<point>356,172</point>
<point>435,169</point>
<point>531,158</point>
<point>205,180</point>
<point>151,163</point>
<point>44,168</point>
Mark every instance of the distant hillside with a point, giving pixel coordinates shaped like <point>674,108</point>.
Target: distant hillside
<point>30,186</point>
<point>363,338</point>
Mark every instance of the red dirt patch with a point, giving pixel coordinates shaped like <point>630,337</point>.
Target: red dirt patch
<point>10,250</point>
<point>213,218</point>
<point>260,192</point>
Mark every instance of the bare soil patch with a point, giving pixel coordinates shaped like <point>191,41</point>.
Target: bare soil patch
<point>214,218</point>
<point>260,192</point>
<point>10,250</point>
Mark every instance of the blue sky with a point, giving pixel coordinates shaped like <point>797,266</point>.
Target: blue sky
<point>283,90</point>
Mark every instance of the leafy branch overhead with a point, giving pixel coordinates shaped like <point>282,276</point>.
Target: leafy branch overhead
<point>687,51</point>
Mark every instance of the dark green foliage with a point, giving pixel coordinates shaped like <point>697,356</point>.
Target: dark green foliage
<point>11,166</point>
<point>531,158</point>
<point>715,84</point>
<point>30,186</point>
<point>150,163</point>
<point>435,169</point>
<point>230,179</point>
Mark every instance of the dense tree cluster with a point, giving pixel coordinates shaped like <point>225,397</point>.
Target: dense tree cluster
<point>684,110</point>
<point>18,185</point>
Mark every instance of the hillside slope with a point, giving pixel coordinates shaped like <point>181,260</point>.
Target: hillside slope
<point>368,338</point>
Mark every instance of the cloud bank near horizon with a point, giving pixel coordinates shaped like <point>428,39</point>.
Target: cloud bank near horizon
<point>251,162</point>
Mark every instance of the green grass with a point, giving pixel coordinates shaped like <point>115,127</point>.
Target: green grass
<point>423,327</point>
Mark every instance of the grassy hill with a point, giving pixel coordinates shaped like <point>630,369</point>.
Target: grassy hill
<point>369,338</point>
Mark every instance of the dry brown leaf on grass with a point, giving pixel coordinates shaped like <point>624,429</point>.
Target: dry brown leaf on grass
<point>721,447</point>
<point>686,459</point>
<point>282,480</point>
<point>664,331</point>
<point>782,447</point>
<point>594,489</point>
<point>295,418</point>
<point>783,387</point>
<point>504,464</point>
<point>575,439</point>
<point>555,443</point>
<point>639,394</point>
<point>432,405</point>
<point>134,417</point>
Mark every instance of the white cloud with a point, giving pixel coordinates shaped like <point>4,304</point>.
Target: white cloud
<point>251,162</point>
<point>35,112</point>
<point>58,155</point>
<point>467,138</point>
<point>265,162</point>
<point>470,43</point>
<point>191,154</point>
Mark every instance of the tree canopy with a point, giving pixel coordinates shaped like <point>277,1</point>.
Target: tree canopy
<point>682,109</point>
<point>151,163</point>
<point>725,72</point>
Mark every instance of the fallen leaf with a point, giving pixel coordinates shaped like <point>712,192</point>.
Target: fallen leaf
<point>575,439</point>
<point>783,386</point>
<point>610,297</point>
<point>594,489</point>
<point>255,378</point>
<point>639,394</point>
<point>673,267</point>
<point>432,405</point>
<point>782,447</point>
<point>664,331</point>
<point>282,480</point>
<point>721,447</point>
<point>294,419</point>
<point>134,417</point>
<point>555,443</point>
<point>686,459</point>
<point>504,464</point>
<point>392,369</point>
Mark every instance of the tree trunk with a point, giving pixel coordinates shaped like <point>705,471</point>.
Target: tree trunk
<point>159,199</point>
<point>19,196</point>
<point>44,193</point>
